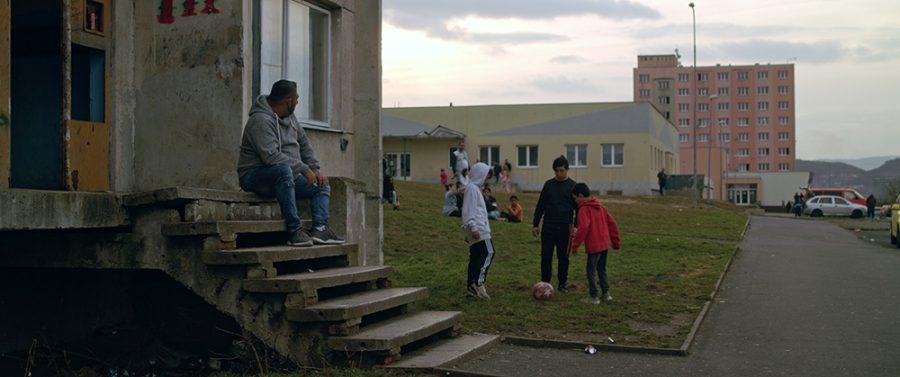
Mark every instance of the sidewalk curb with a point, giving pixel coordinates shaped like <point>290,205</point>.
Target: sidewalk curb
<point>689,340</point>
<point>568,344</point>
<point>444,371</point>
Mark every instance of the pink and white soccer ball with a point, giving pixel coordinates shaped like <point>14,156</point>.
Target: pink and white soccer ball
<point>542,290</point>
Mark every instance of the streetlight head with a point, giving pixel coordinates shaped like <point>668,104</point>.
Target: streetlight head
<point>691,5</point>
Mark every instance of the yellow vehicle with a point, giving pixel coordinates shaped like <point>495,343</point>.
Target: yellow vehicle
<point>895,222</point>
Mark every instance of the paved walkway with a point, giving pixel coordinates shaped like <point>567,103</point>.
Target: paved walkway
<point>803,298</point>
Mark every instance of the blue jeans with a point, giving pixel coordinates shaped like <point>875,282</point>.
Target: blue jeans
<point>278,181</point>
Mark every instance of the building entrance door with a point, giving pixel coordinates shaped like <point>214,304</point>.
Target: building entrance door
<point>742,195</point>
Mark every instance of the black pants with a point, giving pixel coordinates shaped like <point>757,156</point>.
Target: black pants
<point>481,255</point>
<point>596,268</point>
<point>662,187</point>
<point>455,213</point>
<point>510,217</point>
<point>555,236</point>
<point>871,212</point>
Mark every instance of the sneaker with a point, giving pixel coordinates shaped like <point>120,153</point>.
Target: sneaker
<point>562,288</point>
<point>325,237</point>
<point>300,238</point>
<point>482,293</point>
<point>470,290</point>
<point>607,297</point>
<point>591,300</point>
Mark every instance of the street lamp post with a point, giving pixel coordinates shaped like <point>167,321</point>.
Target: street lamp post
<point>694,106</point>
<point>712,112</point>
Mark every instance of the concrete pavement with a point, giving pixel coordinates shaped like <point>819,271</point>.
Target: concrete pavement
<point>802,298</point>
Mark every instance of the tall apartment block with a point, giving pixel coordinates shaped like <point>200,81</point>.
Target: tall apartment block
<point>744,113</point>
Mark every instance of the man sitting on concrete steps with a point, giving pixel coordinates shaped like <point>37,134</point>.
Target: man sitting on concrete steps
<point>277,160</point>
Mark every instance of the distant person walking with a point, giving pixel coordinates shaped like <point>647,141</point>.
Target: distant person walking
<point>870,205</point>
<point>508,166</point>
<point>461,163</point>
<point>504,177</point>
<point>798,204</point>
<point>497,170</point>
<point>662,178</point>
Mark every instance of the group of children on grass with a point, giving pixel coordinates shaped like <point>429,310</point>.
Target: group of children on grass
<point>563,232</point>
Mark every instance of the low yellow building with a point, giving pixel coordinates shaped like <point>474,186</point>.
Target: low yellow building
<point>613,147</point>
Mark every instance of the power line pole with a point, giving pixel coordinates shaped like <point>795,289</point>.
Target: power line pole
<point>694,107</point>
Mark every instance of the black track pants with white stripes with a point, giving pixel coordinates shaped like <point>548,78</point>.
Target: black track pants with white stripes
<point>481,254</point>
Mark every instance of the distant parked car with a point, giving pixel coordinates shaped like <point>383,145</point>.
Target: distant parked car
<point>895,222</point>
<point>846,193</point>
<point>830,205</point>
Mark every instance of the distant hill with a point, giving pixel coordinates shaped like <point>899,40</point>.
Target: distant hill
<point>841,174</point>
<point>867,163</point>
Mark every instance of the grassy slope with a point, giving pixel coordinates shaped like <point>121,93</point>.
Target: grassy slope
<point>670,260</point>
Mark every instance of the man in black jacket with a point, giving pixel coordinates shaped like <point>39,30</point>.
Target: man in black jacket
<point>557,207</point>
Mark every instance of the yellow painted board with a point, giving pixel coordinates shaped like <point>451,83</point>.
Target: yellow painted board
<point>88,156</point>
<point>5,116</point>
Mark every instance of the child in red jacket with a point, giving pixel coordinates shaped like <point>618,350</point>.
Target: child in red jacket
<point>598,231</point>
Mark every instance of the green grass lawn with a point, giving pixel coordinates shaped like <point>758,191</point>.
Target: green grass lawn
<point>670,259</point>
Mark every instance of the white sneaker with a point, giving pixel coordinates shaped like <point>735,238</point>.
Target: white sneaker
<point>482,293</point>
<point>591,300</point>
<point>607,297</point>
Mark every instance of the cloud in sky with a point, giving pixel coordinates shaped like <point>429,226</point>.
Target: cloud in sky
<point>567,59</point>
<point>434,17</point>
<point>563,84</point>
<point>764,50</point>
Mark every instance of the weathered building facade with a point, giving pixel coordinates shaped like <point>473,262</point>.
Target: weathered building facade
<point>120,127</point>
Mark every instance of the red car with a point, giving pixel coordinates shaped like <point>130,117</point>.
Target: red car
<point>846,193</point>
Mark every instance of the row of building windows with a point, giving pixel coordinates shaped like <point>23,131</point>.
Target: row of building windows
<point>724,106</point>
<point>742,91</point>
<point>742,122</point>
<point>721,76</point>
<point>762,136</point>
<point>611,155</point>
<point>764,166</point>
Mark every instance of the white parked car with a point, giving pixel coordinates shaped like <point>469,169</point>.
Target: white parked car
<point>829,205</point>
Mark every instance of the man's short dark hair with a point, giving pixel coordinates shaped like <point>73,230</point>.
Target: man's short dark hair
<point>282,89</point>
<point>513,197</point>
<point>581,189</point>
<point>560,162</point>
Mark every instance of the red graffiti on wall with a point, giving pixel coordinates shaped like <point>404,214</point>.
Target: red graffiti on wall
<point>165,13</point>
<point>210,7</point>
<point>189,8</point>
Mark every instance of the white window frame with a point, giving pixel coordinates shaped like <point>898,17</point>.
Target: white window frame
<point>784,105</point>
<point>743,136</point>
<point>702,107</point>
<point>579,149</point>
<point>784,151</point>
<point>762,121</point>
<point>490,155</point>
<point>782,74</point>
<point>762,136</point>
<point>703,138</point>
<point>724,122</point>
<point>684,107</point>
<point>703,92</point>
<point>762,105</point>
<point>743,122</point>
<point>644,78</point>
<point>528,163</point>
<point>744,91</point>
<point>722,76</point>
<point>285,54</point>
<point>762,90</point>
<point>398,168</point>
<point>722,106</point>
<point>762,152</point>
<point>743,75</point>
<point>684,138</point>
<point>643,93</point>
<point>784,136</point>
<point>612,149</point>
<point>725,137</point>
<point>684,122</point>
<point>783,90</point>
<point>763,166</point>
<point>743,106</point>
<point>723,91</point>
<point>684,92</point>
<point>762,75</point>
<point>784,166</point>
<point>744,152</point>
<point>784,121</point>
<point>684,77</point>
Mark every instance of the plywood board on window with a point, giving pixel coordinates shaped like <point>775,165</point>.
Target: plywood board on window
<point>88,156</point>
<point>5,120</point>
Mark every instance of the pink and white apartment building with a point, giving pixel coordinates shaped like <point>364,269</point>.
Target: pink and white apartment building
<point>745,115</point>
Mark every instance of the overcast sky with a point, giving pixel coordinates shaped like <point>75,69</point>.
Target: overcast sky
<point>473,52</point>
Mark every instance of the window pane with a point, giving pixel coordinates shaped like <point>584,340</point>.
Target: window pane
<point>570,152</point>
<point>607,154</point>
<point>270,26</point>
<point>495,154</point>
<point>308,59</point>
<point>523,156</point>
<point>404,165</point>
<point>619,154</point>
<point>483,154</point>
<point>582,155</point>
<point>533,155</point>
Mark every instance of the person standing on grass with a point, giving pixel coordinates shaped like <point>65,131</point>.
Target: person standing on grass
<point>478,231</point>
<point>870,205</point>
<point>557,208</point>
<point>497,170</point>
<point>598,231</point>
<point>444,180</point>
<point>661,179</point>
<point>508,167</point>
<point>461,163</point>
<point>504,177</point>
<point>493,209</point>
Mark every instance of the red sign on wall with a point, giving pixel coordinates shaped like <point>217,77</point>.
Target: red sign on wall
<point>167,12</point>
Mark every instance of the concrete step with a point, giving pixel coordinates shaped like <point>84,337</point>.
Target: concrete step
<point>309,282</point>
<point>391,334</point>
<point>275,254</point>
<point>207,228</point>
<point>447,351</point>
<point>356,305</point>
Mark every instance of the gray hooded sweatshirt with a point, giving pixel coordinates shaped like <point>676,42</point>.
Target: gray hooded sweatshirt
<point>474,212</point>
<point>269,140</point>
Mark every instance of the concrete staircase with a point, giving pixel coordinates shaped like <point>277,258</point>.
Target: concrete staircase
<point>302,301</point>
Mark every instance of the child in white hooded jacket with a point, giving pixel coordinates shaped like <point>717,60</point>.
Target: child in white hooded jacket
<point>478,231</point>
